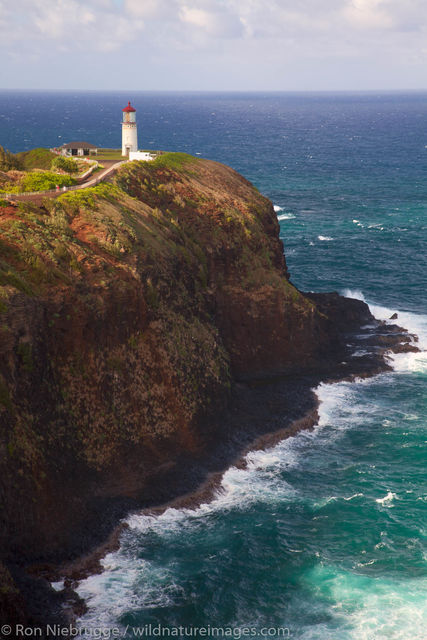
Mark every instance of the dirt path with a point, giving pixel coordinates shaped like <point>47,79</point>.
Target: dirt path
<point>110,167</point>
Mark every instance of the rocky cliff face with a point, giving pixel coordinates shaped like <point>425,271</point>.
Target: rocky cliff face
<point>127,313</point>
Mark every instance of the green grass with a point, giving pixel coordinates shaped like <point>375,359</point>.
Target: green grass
<point>173,160</point>
<point>36,159</point>
<point>115,154</point>
<point>109,154</point>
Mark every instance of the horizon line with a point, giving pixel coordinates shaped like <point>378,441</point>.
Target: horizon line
<point>313,91</point>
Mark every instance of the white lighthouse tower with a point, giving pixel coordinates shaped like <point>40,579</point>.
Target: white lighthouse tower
<point>129,131</point>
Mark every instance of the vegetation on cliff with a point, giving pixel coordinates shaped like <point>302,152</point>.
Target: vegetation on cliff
<point>9,161</point>
<point>127,311</point>
<point>35,159</point>
<point>37,170</point>
<point>36,181</point>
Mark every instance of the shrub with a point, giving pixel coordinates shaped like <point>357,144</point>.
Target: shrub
<point>65,164</point>
<point>44,180</point>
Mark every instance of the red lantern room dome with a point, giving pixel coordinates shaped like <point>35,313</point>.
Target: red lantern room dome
<point>129,109</point>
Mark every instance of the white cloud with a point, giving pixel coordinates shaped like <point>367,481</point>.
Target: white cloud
<point>198,17</point>
<point>88,22</point>
<point>371,14</point>
<point>166,9</point>
<point>214,38</point>
<point>75,24</point>
<point>216,20</point>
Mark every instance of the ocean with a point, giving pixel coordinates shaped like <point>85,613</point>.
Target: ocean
<point>321,537</point>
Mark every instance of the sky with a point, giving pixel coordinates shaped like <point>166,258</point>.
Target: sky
<point>242,45</point>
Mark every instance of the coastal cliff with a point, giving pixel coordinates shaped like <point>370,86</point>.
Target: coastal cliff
<point>129,315</point>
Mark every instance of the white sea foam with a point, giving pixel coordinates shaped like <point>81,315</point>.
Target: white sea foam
<point>128,583</point>
<point>286,216</point>
<point>353,293</point>
<point>415,323</point>
<point>360,353</point>
<point>387,500</point>
<point>368,608</point>
<point>324,238</point>
<point>325,501</point>
<point>355,495</point>
<point>376,226</point>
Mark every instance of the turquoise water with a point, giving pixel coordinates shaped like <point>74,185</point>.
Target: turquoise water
<point>323,534</point>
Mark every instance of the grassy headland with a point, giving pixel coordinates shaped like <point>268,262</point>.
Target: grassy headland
<point>128,313</point>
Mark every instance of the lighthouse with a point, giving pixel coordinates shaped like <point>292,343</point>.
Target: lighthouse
<point>129,131</point>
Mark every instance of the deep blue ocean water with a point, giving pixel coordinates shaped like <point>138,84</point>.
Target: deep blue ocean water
<point>325,533</point>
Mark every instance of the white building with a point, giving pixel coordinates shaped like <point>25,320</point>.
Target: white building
<point>78,149</point>
<point>141,155</point>
<point>129,131</point>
